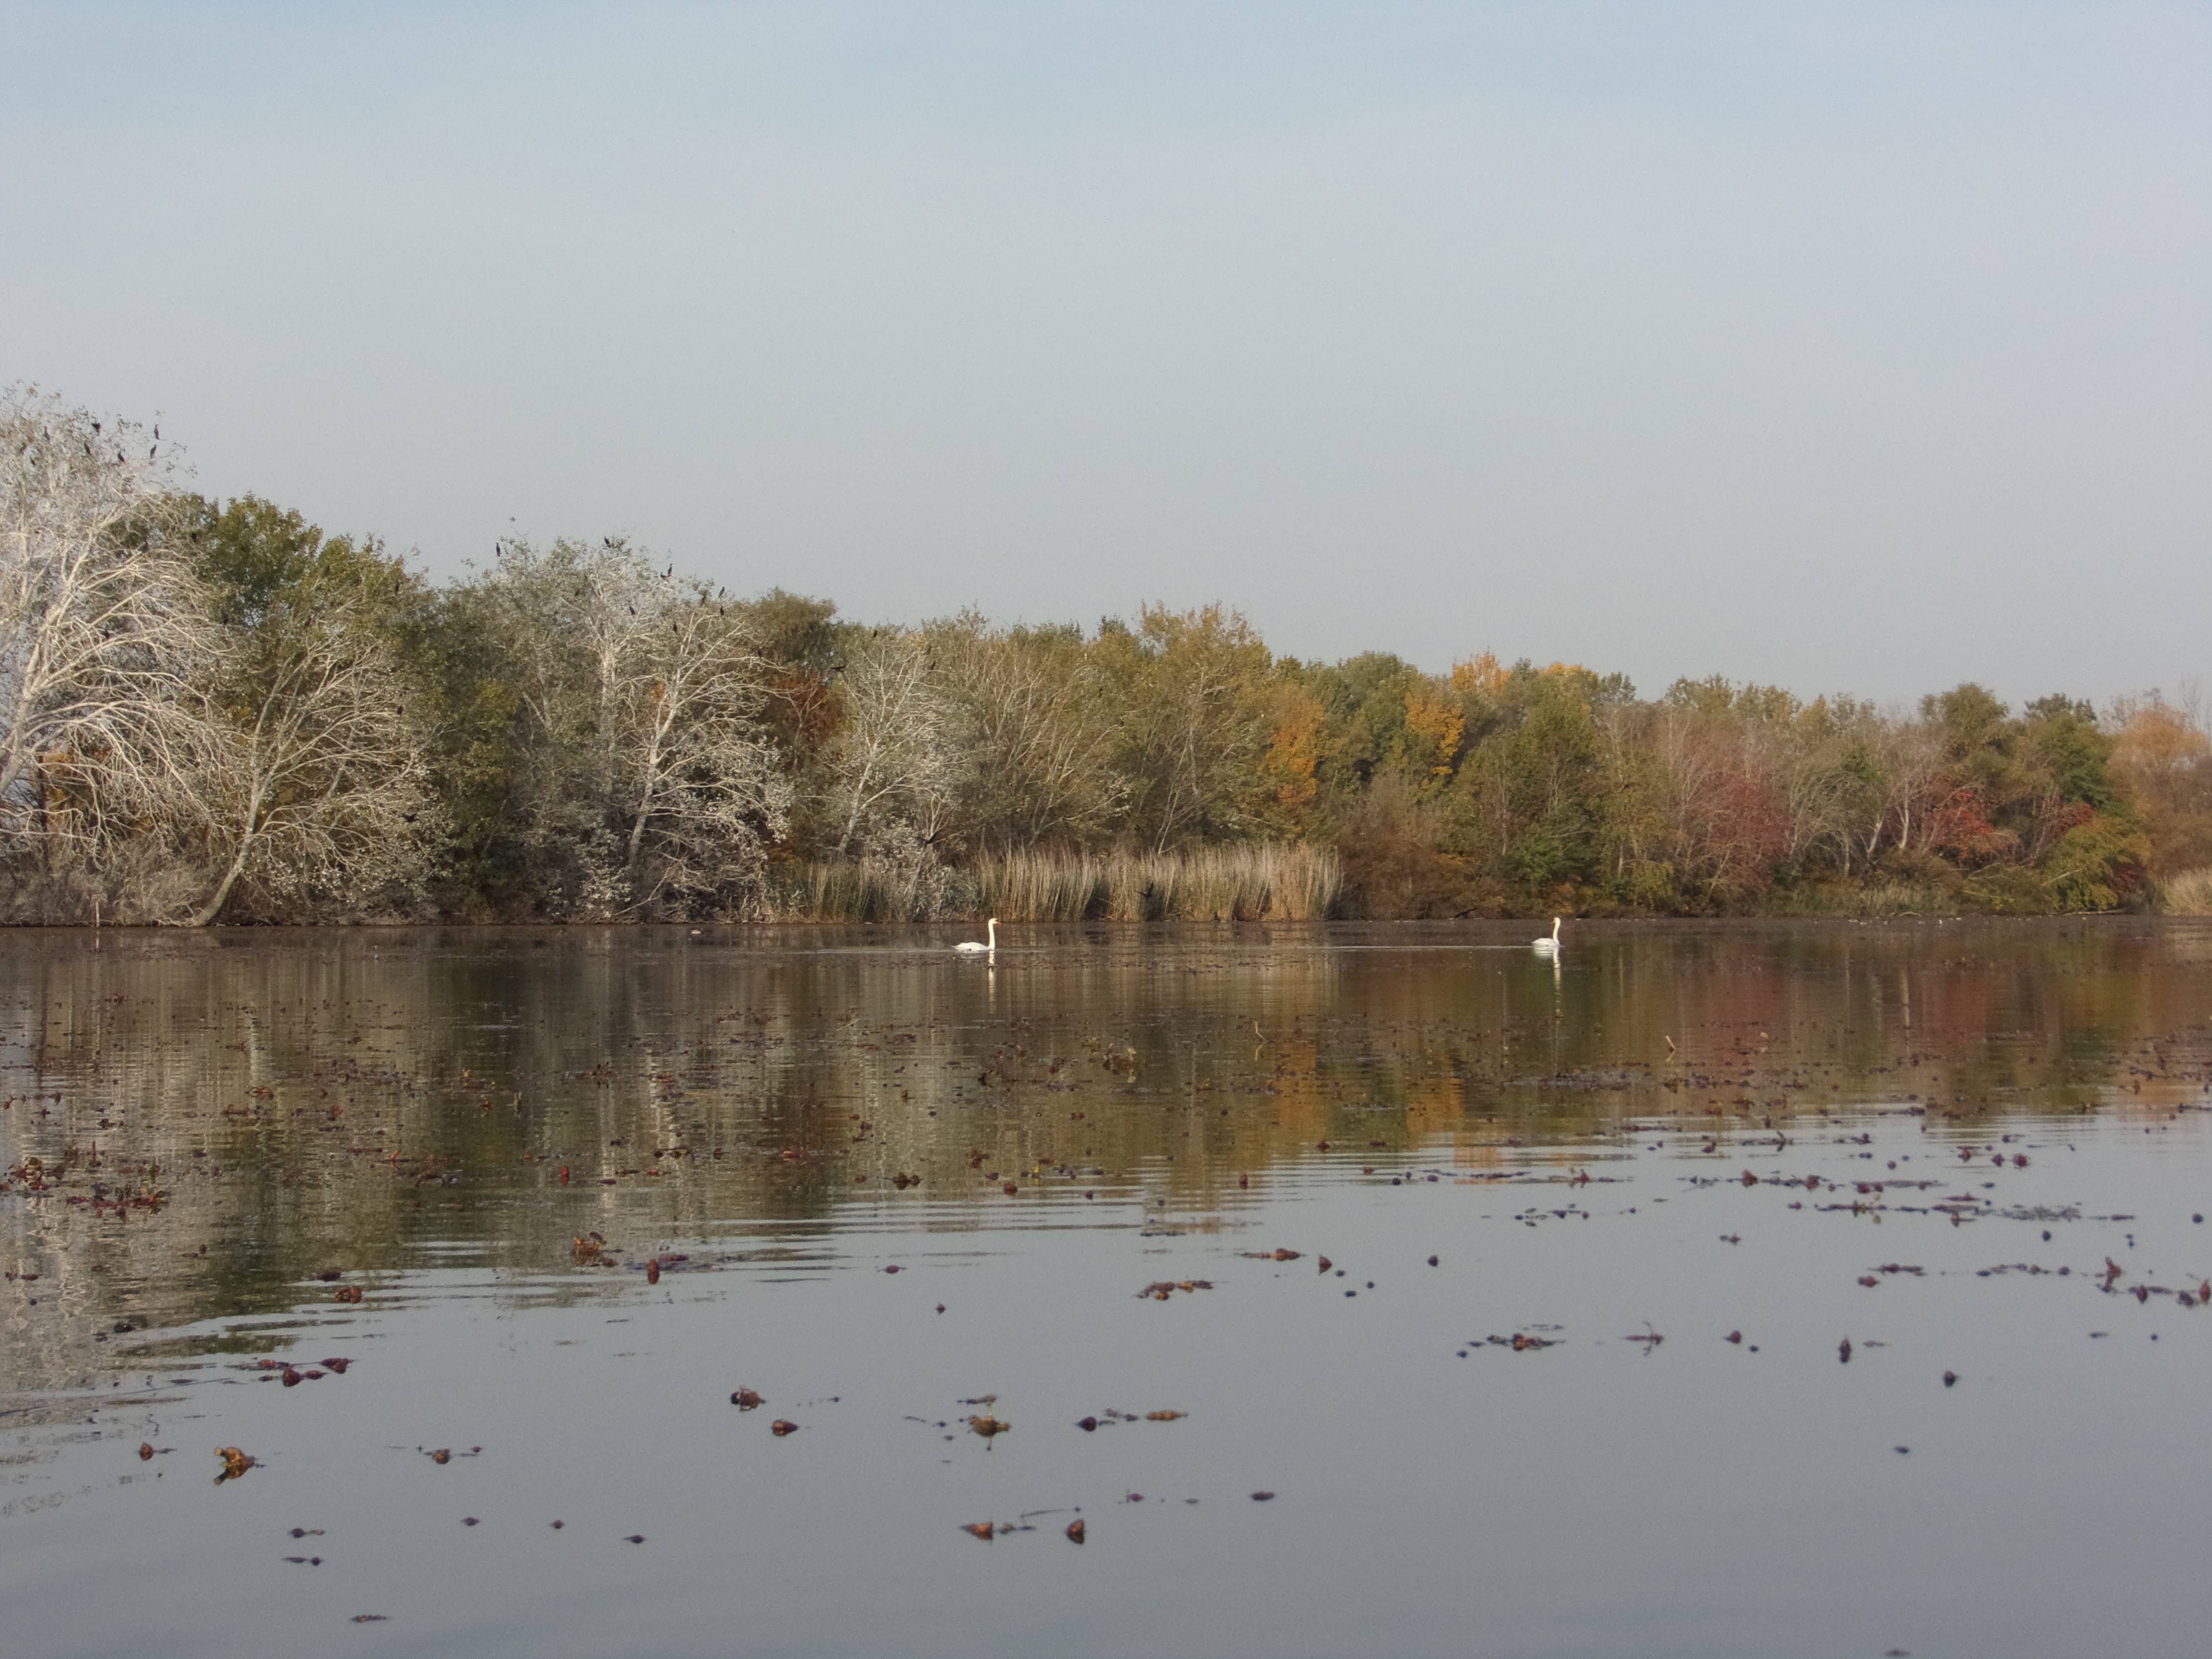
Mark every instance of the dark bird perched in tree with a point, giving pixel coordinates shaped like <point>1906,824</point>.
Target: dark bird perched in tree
<point>96,427</point>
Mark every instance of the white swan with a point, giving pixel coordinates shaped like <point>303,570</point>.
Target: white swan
<point>1547,947</point>
<point>972,948</point>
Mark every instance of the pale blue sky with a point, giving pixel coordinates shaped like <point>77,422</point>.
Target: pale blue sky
<point>1861,347</point>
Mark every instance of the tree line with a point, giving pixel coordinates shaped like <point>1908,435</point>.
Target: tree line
<point>212,711</point>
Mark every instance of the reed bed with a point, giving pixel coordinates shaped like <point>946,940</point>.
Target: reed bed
<point>1244,882</point>
<point>2189,894</point>
<point>861,889</point>
<point>1248,881</point>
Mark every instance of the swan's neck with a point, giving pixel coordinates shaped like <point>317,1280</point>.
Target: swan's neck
<point>994,930</point>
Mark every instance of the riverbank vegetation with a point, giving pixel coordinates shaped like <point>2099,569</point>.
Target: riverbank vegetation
<point>212,711</point>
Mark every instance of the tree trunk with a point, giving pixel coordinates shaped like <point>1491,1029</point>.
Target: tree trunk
<point>208,912</point>
<point>213,908</point>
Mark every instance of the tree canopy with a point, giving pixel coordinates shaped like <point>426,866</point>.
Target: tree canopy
<point>216,710</point>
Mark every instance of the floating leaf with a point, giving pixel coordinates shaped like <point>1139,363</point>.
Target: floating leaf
<point>1161,1289</point>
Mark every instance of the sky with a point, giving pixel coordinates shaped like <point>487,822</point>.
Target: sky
<point>1860,347</point>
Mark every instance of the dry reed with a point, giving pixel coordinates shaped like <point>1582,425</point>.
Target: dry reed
<point>2189,894</point>
<point>1245,882</point>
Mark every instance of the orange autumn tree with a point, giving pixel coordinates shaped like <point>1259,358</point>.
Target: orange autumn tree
<point>2162,752</point>
<point>1483,675</point>
<point>1433,733</point>
<point>1294,751</point>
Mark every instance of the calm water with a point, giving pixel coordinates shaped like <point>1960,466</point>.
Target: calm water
<point>586,1185</point>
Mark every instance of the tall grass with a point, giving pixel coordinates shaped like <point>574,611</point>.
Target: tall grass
<point>2189,894</point>
<point>1244,882</point>
<point>861,889</point>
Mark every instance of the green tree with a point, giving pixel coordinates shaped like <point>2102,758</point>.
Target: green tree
<point>1194,688</point>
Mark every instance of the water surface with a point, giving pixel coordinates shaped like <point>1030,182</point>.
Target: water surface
<point>587,1184</point>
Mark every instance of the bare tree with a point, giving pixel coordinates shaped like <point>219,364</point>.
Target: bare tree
<point>895,758</point>
<point>319,779</point>
<point>693,778</point>
<point>641,692</point>
<point>104,638</point>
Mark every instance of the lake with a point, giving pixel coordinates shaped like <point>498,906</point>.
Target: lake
<point>1715,1289</point>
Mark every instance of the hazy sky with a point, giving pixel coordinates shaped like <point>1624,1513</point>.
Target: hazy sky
<point>1861,347</point>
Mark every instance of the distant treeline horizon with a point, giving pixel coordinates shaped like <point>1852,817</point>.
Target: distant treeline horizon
<point>215,712</point>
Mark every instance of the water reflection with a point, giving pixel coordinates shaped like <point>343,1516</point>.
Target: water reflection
<point>196,1124</point>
